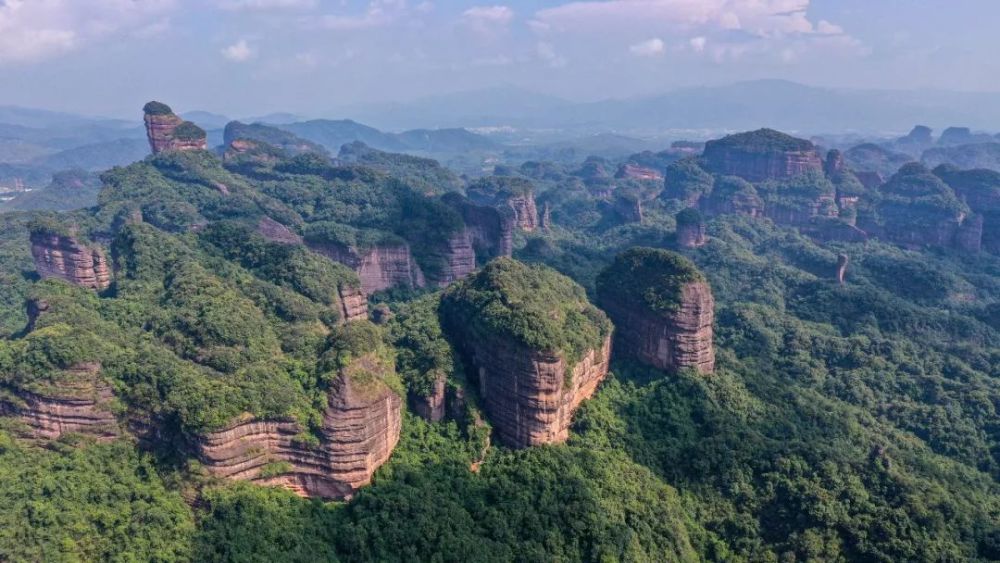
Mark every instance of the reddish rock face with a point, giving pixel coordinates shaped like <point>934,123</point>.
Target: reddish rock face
<point>276,232</point>
<point>360,429</point>
<point>353,303</point>
<point>79,406</point>
<point>529,395</point>
<point>525,212</point>
<point>459,257</point>
<point>162,131</point>
<point>490,229</point>
<point>432,407</point>
<point>681,339</point>
<point>379,268</point>
<point>635,172</point>
<point>762,166</point>
<point>691,235</point>
<point>64,257</point>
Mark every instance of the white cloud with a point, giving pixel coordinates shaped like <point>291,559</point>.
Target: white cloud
<point>488,20</point>
<point>379,13</point>
<point>263,5</point>
<point>650,48</point>
<point>32,30</point>
<point>547,53</point>
<point>826,28</point>
<point>239,52</point>
<point>759,17</point>
<point>698,44</point>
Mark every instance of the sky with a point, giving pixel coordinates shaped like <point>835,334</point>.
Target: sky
<point>315,57</point>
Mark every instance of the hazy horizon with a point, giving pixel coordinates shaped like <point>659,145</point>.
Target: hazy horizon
<point>317,57</point>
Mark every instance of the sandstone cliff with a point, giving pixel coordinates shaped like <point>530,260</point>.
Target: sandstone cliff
<point>457,257</point>
<point>360,429</point>
<point>517,194</point>
<point>78,404</point>
<point>353,303</point>
<point>63,256</point>
<point>762,155</point>
<point>690,229</point>
<point>491,229</point>
<point>662,308</point>
<point>529,385</point>
<point>168,132</point>
<point>382,267</point>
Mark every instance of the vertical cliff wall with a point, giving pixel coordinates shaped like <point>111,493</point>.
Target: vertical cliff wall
<point>168,132</point>
<point>662,308</point>
<point>65,257</point>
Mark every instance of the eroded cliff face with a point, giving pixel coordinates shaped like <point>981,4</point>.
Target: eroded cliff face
<point>361,427</point>
<point>628,208</point>
<point>490,229</point>
<point>382,267</point>
<point>80,405</point>
<point>353,303</point>
<point>65,257</point>
<point>691,235</point>
<point>458,257</point>
<point>759,167</point>
<point>432,407</point>
<point>530,395</point>
<point>631,171</point>
<point>680,339</point>
<point>525,211</point>
<point>168,132</point>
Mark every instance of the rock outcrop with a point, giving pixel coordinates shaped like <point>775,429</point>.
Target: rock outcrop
<point>490,228</point>
<point>528,387</point>
<point>432,407</point>
<point>457,259</point>
<point>58,255</point>
<point>842,261</point>
<point>360,429</point>
<point>690,229</point>
<point>353,303</point>
<point>632,171</point>
<point>517,194</point>
<point>168,132</point>
<point>662,307</point>
<point>762,155</point>
<point>628,208</point>
<point>78,404</point>
<point>969,237</point>
<point>276,232</point>
<point>382,267</point>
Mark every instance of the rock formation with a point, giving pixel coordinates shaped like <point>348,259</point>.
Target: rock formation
<point>518,194</point>
<point>62,256</point>
<point>276,232</point>
<point>529,388</point>
<point>360,429</point>
<point>491,229</point>
<point>546,218</point>
<point>168,132</point>
<point>78,404</point>
<point>432,407</point>
<point>690,229</point>
<point>834,163</point>
<point>762,155</point>
<point>382,267</point>
<point>662,308</point>
<point>628,208</point>
<point>631,171</point>
<point>969,237</point>
<point>457,257</point>
<point>353,303</point>
<point>842,262</point>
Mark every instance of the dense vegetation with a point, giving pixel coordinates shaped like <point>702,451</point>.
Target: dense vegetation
<point>760,141</point>
<point>531,305</point>
<point>844,422</point>
<point>648,279</point>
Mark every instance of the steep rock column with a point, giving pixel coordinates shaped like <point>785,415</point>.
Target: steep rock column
<point>166,131</point>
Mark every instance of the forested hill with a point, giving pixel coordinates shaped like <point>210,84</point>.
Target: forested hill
<point>272,355</point>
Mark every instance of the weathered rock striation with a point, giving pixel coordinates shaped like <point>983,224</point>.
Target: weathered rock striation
<point>353,303</point>
<point>490,228</point>
<point>457,258</point>
<point>762,155</point>
<point>63,256</point>
<point>168,132</point>
<point>382,267</point>
<point>78,404</point>
<point>517,194</point>
<point>529,387</point>
<point>360,429</point>
<point>662,307</point>
<point>628,208</point>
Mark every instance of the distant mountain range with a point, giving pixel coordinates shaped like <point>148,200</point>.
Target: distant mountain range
<point>742,106</point>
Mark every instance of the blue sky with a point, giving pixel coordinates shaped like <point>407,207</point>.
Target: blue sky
<point>316,56</point>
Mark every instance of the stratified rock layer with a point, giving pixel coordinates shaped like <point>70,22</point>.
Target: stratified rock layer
<point>162,130</point>
<point>353,303</point>
<point>379,268</point>
<point>762,155</point>
<point>530,395</point>
<point>78,405</point>
<point>681,339</point>
<point>361,427</point>
<point>64,257</point>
